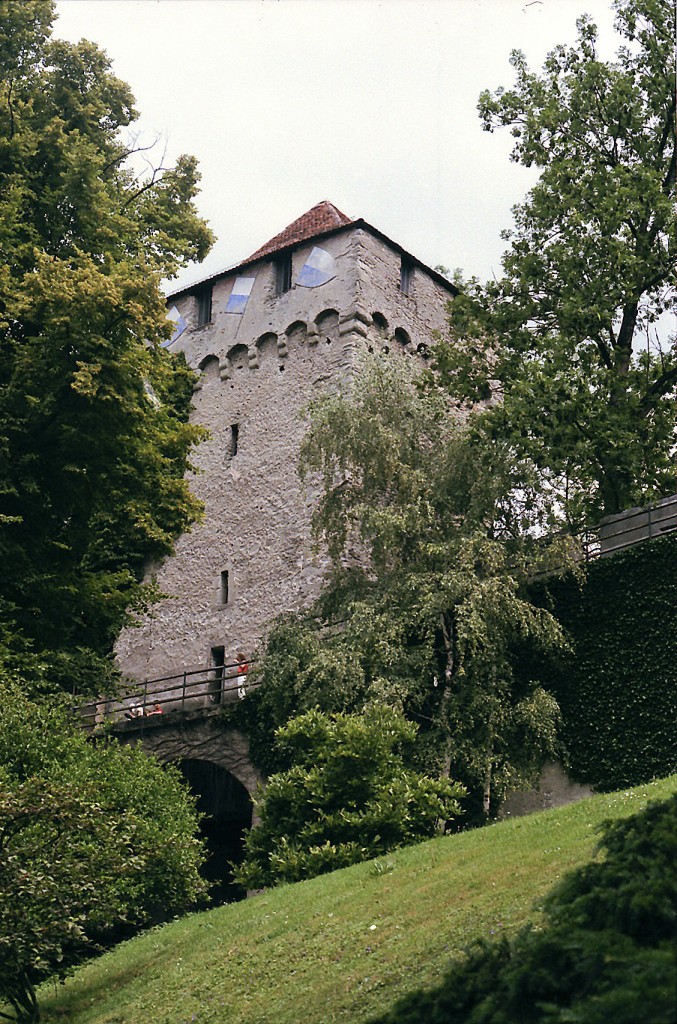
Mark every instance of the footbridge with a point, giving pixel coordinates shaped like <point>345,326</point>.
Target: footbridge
<point>180,719</point>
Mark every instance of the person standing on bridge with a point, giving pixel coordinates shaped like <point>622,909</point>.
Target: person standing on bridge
<point>242,670</point>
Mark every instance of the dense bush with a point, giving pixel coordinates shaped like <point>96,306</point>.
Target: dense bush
<point>606,953</point>
<point>92,838</point>
<point>347,797</point>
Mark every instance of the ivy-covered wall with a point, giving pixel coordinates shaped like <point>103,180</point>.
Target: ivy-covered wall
<point>618,689</point>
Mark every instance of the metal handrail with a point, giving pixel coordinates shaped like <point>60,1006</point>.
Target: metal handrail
<point>624,530</point>
<point>198,690</point>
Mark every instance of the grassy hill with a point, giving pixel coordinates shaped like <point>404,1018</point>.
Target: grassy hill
<point>342,947</point>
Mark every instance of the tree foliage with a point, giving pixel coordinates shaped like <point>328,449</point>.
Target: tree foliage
<point>427,592</point>
<point>571,336</point>
<point>94,439</point>
<point>606,952</point>
<point>348,797</point>
<point>92,839</point>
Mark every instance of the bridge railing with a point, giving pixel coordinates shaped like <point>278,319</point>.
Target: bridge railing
<point>624,530</point>
<point>185,693</point>
<point>615,533</point>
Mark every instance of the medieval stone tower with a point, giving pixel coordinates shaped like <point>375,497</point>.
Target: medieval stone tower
<point>267,336</point>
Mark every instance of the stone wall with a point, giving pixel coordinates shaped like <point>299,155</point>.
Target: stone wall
<point>205,739</point>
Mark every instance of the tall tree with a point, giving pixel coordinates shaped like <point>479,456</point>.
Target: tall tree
<point>573,336</point>
<point>94,438</point>
<point>429,572</point>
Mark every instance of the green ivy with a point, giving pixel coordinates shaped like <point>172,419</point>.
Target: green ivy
<point>617,689</point>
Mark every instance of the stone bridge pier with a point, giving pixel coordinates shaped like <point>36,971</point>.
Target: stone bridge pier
<point>214,760</point>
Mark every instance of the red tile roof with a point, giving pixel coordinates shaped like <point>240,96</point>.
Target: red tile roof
<point>323,217</point>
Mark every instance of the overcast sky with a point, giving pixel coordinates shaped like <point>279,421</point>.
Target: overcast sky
<point>371,104</point>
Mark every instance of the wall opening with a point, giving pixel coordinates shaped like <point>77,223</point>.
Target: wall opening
<point>218,660</point>
<point>283,274</point>
<point>238,357</point>
<point>223,593</point>
<point>234,438</point>
<point>204,306</point>
<point>228,809</point>
<point>406,276</point>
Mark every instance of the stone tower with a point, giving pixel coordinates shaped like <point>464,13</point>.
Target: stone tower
<point>267,336</point>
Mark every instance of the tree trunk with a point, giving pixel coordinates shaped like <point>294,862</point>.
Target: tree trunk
<point>24,1001</point>
<point>486,792</point>
<point>448,637</point>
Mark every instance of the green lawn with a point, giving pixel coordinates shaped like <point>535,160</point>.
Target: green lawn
<point>344,946</point>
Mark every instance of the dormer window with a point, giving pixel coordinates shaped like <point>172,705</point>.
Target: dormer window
<point>283,274</point>
<point>204,306</point>
<point>406,275</point>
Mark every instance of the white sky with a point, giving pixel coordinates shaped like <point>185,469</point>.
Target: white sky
<point>368,103</point>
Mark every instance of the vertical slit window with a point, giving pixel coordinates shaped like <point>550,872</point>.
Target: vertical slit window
<point>283,274</point>
<point>223,587</point>
<point>406,276</point>
<point>204,307</point>
<point>234,438</point>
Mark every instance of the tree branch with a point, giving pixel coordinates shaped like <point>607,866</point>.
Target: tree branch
<point>660,387</point>
<point>154,180</point>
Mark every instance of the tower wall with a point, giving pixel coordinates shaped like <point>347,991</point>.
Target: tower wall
<point>259,369</point>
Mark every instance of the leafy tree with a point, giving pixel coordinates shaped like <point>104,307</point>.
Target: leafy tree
<point>571,336</point>
<point>94,438</point>
<point>606,952</point>
<point>347,798</point>
<point>92,839</point>
<point>428,586</point>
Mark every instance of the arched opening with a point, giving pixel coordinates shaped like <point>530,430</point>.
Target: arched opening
<point>239,357</point>
<point>296,332</point>
<point>327,325</point>
<point>266,347</point>
<point>228,809</point>
<point>209,366</point>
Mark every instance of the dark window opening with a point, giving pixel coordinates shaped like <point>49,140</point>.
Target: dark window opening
<point>406,276</point>
<point>283,274</point>
<point>223,597</point>
<point>204,306</point>
<point>218,660</point>
<point>234,437</point>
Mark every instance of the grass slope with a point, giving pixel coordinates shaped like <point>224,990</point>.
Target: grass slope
<point>344,946</point>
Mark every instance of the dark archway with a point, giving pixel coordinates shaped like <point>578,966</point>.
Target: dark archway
<point>228,809</point>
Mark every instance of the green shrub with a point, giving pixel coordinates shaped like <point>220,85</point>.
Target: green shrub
<point>347,797</point>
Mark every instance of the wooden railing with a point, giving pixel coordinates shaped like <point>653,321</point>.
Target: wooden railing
<point>190,694</point>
